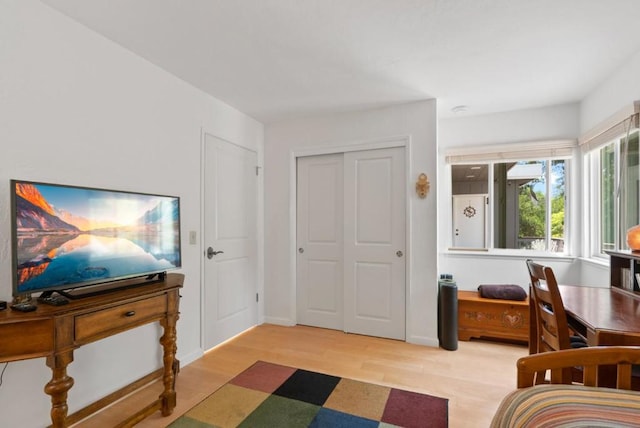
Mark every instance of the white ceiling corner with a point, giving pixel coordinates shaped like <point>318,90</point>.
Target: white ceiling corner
<point>276,59</point>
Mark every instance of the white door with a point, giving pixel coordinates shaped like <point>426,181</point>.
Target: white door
<point>230,245</point>
<point>374,243</point>
<point>469,217</point>
<point>319,235</point>
<point>351,242</point>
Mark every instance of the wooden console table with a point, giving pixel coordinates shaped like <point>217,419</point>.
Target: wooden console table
<point>54,332</point>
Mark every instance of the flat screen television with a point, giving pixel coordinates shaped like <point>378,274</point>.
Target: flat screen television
<point>66,237</point>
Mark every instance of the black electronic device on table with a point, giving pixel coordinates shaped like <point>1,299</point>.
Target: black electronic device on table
<point>24,307</point>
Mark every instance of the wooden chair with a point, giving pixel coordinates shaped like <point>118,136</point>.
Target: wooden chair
<point>615,338</point>
<point>553,333</point>
<point>591,359</point>
<point>568,404</point>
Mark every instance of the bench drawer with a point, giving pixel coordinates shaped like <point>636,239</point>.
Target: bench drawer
<point>29,338</point>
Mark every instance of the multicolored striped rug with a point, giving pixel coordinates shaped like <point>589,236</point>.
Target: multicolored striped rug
<point>270,395</point>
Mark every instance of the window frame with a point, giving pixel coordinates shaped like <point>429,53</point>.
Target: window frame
<point>532,151</point>
<point>593,158</point>
<point>605,132</point>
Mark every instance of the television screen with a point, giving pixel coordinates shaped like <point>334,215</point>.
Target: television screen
<point>66,237</point>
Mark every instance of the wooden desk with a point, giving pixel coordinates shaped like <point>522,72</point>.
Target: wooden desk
<point>604,316</point>
<point>54,332</point>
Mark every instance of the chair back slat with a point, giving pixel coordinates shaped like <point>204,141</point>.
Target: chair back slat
<point>590,375</point>
<point>623,378</point>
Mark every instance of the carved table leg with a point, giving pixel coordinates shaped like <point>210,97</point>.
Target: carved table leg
<point>169,346</point>
<point>58,387</point>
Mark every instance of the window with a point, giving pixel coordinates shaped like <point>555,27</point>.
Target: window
<point>523,209</point>
<point>618,192</point>
<point>611,176</point>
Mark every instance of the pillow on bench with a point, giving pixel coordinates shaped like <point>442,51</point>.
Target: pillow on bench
<point>502,291</point>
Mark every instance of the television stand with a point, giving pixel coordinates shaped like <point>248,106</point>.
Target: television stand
<point>55,332</point>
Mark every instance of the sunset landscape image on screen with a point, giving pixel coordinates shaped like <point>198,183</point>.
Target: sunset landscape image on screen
<point>73,235</point>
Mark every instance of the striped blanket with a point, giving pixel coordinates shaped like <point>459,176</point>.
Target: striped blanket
<point>568,406</point>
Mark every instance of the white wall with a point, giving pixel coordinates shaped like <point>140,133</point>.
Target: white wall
<point>282,140</point>
<point>616,92</point>
<point>547,123</point>
<point>76,108</point>
<point>620,89</point>
<point>471,269</point>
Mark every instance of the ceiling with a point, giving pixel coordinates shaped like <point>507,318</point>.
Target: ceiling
<point>470,173</point>
<point>278,59</point>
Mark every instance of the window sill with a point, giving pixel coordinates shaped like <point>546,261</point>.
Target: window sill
<point>505,253</point>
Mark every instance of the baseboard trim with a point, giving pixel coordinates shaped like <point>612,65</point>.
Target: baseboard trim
<point>279,321</point>
<point>423,340</point>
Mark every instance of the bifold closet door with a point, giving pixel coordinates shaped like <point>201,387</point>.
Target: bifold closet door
<point>351,242</point>
<point>319,237</point>
<point>374,242</point>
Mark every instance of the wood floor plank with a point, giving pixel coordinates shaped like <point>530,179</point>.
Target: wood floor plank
<point>474,378</point>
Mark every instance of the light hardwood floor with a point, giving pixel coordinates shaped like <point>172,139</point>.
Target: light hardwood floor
<point>474,378</point>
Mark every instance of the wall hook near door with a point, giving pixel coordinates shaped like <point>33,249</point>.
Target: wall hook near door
<point>422,185</point>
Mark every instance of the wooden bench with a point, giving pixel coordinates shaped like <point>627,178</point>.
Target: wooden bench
<point>479,317</point>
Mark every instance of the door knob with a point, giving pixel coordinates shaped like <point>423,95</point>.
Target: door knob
<point>211,253</point>
<point>399,253</point>
<point>301,250</point>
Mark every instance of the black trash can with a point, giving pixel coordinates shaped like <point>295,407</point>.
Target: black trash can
<point>448,312</point>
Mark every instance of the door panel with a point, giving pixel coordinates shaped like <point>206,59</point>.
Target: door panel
<point>469,221</point>
<point>374,201</point>
<point>319,236</point>
<point>374,242</point>
<point>324,291</point>
<point>231,300</point>
<point>230,227</point>
<point>374,288</point>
